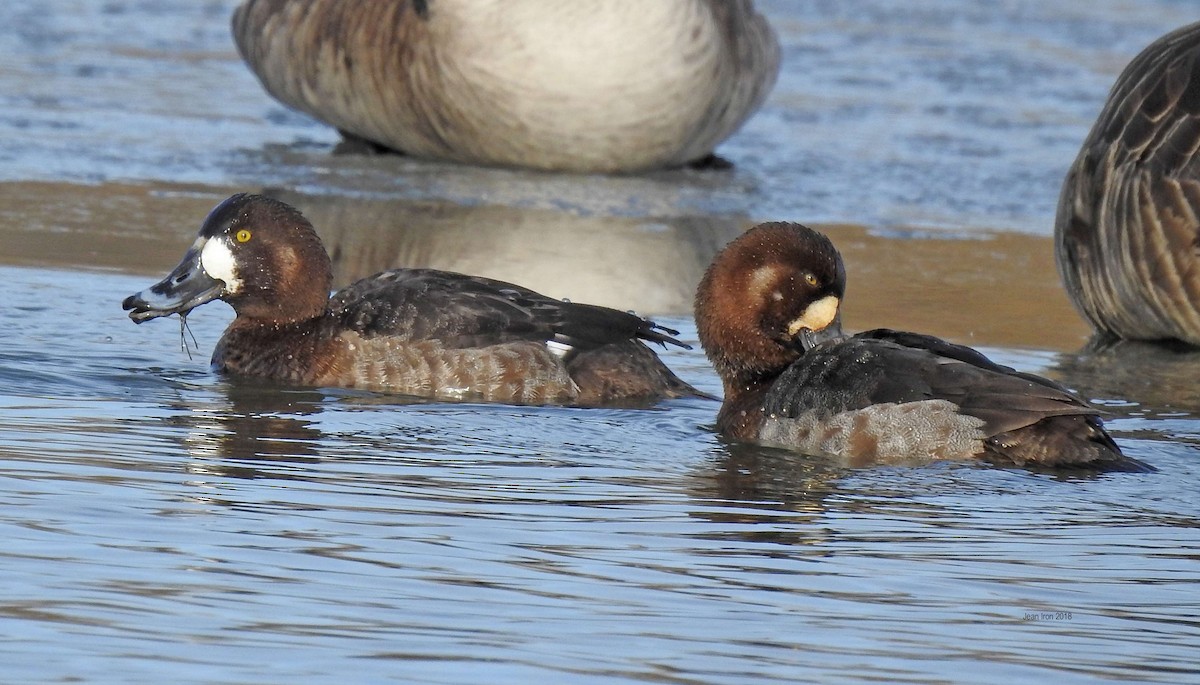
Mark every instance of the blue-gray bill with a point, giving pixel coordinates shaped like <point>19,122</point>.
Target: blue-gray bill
<point>187,286</point>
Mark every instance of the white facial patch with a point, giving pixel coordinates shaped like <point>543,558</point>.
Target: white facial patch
<point>764,278</point>
<point>817,316</point>
<point>218,262</point>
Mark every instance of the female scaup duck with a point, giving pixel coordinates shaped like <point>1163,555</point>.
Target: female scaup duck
<point>767,312</point>
<point>565,85</point>
<point>412,331</point>
<point>1127,235</point>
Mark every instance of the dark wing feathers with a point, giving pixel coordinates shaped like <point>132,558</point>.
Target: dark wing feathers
<point>1150,113</point>
<point>1145,144</point>
<point>471,311</point>
<point>942,348</point>
<point>587,325</point>
<point>883,366</point>
<point>962,353</point>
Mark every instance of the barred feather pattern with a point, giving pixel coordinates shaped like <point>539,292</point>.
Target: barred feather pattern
<point>1127,232</point>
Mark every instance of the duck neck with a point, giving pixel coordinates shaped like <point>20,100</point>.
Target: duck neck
<point>741,413</point>
<point>299,294</point>
<point>286,351</point>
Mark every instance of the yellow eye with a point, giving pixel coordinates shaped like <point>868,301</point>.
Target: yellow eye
<point>810,279</point>
<point>242,236</point>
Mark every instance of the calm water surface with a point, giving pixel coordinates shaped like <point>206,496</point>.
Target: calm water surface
<point>163,524</point>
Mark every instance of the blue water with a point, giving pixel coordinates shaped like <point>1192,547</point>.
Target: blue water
<point>164,524</point>
<point>169,526</point>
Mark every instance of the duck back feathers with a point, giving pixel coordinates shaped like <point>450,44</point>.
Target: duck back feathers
<point>904,394</point>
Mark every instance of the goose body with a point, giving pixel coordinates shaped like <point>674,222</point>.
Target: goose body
<point>570,85</point>
<point>1127,233</point>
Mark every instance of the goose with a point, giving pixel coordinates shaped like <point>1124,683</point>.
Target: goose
<point>592,86</point>
<point>1127,231</point>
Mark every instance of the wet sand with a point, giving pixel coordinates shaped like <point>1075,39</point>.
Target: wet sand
<point>979,290</point>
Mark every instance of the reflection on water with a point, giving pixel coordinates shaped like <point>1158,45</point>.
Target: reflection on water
<point>987,289</point>
<point>133,228</point>
<point>254,423</point>
<point>149,506</point>
<point>771,478</point>
<point>168,525</point>
<point>975,290</point>
<point>648,264</point>
<point>1157,378</point>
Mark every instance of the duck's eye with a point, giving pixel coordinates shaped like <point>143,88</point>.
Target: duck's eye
<point>242,236</point>
<point>810,279</point>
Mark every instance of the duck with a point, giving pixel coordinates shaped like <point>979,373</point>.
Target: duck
<point>588,86</point>
<point>1127,228</point>
<point>768,315</point>
<point>417,332</point>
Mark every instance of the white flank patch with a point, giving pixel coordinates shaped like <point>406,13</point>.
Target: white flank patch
<point>558,349</point>
<point>453,393</point>
<point>218,262</point>
<point>817,316</point>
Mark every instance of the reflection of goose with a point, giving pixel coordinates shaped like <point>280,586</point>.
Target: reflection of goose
<point>574,85</point>
<point>1128,226</point>
<point>649,265</point>
<point>1157,377</point>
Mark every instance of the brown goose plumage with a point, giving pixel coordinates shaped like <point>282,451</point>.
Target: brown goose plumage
<point>1127,234</point>
<point>569,85</point>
